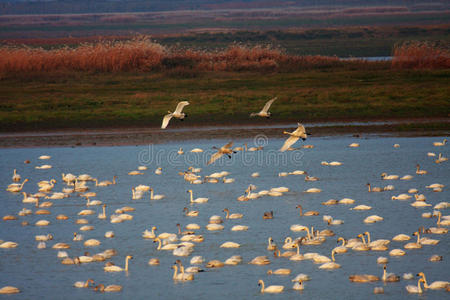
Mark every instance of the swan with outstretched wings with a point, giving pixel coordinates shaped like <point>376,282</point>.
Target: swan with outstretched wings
<point>300,132</point>
<point>265,111</point>
<point>176,114</point>
<point>221,151</point>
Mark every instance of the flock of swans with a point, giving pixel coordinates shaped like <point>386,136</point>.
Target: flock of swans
<point>183,243</point>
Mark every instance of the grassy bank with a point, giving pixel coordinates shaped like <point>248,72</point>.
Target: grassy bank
<point>89,100</point>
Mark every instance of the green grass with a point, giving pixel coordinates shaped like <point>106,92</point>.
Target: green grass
<point>114,100</point>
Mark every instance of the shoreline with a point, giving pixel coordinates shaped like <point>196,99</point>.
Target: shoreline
<point>144,136</point>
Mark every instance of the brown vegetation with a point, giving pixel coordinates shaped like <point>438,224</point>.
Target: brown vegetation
<point>143,55</point>
<point>420,55</point>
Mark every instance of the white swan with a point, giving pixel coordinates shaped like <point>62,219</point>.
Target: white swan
<point>230,245</point>
<point>182,276</point>
<point>182,250</point>
<point>435,285</point>
<point>401,197</point>
<point>239,228</point>
<point>415,289</point>
<point>385,176</point>
<point>149,234</point>
<point>226,149</point>
<point>197,200</point>
<point>155,197</point>
<point>115,268</point>
<point>373,189</point>
<point>439,144</point>
<point>419,171</point>
<point>14,188</point>
<point>9,290</point>
<point>294,136</point>
<point>265,111</point>
<point>232,216</point>
<point>16,177</point>
<point>177,114</point>
<point>270,289</point>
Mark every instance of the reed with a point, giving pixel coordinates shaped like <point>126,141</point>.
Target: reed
<point>420,55</point>
<point>140,54</point>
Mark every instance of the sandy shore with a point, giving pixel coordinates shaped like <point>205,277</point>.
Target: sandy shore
<point>145,136</point>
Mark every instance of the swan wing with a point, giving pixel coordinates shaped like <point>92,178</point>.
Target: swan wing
<point>229,145</point>
<point>289,142</point>
<point>268,104</point>
<point>215,157</point>
<point>166,120</point>
<point>180,106</point>
<point>300,131</point>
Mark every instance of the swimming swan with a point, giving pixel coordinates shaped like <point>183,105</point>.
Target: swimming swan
<point>197,200</point>
<point>270,289</point>
<point>415,289</point>
<point>435,285</point>
<point>114,268</point>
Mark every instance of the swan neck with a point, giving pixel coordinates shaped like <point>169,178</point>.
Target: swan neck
<point>368,238</point>
<point>332,255</point>
<point>151,194</point>
<point>363,239</point>
<point>134,194</point>
<point>104,211</point>
<point>262,286</point>
<point>159,244</point>
<point>175,270</point>
<point>301,210</point>
<point>419,288</point>
<point>192,197</point>
<point>114,180</point>
<point>96,182</point>
<point>298,249</point>
<point>418,237</point>
<point>126,263</point>
<point>228,216</point>
<point>308,233</point>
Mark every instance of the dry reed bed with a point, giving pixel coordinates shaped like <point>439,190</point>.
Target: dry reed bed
<point>142,55</point>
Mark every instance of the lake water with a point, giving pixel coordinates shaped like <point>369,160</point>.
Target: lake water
<point>39,274</point>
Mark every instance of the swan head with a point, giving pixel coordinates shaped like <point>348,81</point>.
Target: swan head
<point>129,257</point>
<point>100,288</point>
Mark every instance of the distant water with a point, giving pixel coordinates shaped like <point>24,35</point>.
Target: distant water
<point>369,58</point>
<point>39,273</point>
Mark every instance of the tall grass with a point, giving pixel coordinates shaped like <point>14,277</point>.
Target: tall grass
<point>420,55</point>
<point>141,54</point>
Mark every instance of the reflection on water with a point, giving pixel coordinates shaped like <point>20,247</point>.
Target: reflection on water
<point>39,273</point>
